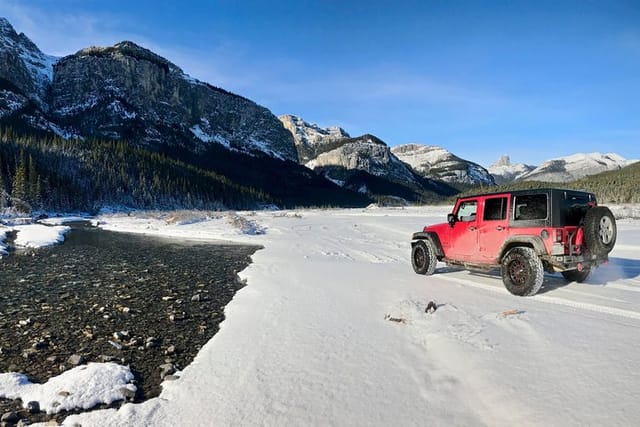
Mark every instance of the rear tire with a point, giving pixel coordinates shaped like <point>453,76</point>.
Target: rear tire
<point>522,271</point>
<point>600,230</point>
<point>423,257</point>
<point>577,276</point>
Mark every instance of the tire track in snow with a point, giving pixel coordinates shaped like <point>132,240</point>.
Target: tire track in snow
<point>629,314</point>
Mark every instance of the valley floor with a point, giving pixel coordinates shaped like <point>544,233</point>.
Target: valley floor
<point>309,341</point>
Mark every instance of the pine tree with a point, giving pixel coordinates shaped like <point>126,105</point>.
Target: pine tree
<point>19,190</point>
<point>33,193</point>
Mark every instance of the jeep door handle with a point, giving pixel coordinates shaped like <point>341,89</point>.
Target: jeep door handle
<point>472,228</point>
<point>499,228</point>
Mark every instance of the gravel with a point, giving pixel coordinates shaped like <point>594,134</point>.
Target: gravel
<point>144,302</point>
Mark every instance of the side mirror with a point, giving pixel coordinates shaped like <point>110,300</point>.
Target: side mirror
<point>451,219</point>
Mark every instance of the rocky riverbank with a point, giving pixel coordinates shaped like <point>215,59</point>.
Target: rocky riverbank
<point>138,301</point>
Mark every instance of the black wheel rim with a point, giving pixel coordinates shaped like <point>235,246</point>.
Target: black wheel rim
<point>419,257</point>
<point>518,272</point>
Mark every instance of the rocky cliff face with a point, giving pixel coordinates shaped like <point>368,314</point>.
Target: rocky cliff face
<point>126,91</point>
<point>366,153</point>
<point>311,139</point>
<point>364,164</point>
<point>436,162</point>
<point>367,165</point>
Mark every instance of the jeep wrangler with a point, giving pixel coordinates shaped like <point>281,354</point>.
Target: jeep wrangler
<point>523,233</point>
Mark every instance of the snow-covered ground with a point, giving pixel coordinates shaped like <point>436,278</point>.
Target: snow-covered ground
<point>332,330</point>
<point>38,235</point>
<point>82,387</point>
<point>32,235</point>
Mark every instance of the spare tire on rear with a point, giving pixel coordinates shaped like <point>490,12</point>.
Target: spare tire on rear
<point>600,230</point>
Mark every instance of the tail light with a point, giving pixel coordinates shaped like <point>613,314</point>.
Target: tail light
<point>580,236</point>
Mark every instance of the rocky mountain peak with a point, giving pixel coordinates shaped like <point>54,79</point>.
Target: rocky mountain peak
<point>504,160</point>
<point>310,138</point>
<point>128,49</point>
<point>24,65</point>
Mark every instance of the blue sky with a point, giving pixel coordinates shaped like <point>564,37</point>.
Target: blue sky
<point>534,79</point>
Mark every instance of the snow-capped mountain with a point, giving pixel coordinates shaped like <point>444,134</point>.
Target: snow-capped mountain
<point>30,70</point>
<point>503,171</point>
<point>366,153</point>
<point>576,166</point>
<point>128,92</point>
<point>436,162</point>
<point>310,137</point>
<point>367,165</point>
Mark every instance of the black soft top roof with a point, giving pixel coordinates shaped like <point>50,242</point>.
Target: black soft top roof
<point>531,191</point>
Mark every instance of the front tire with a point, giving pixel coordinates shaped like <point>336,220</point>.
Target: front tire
<point>423,257</point>
<point>577,276</point>
<point>522,271</point>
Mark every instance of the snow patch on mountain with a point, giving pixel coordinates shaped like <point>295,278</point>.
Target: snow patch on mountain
<point>576,166</point>
<point>10,102</point>
<point>436,162</point>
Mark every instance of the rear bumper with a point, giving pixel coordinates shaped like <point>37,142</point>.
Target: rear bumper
<point>573,262</point>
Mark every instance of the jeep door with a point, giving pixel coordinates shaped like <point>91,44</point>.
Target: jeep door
<point>464,233</point>
<point>493,226</point>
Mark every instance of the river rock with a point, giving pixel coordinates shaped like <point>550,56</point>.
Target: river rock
<point>75,360</point>
<point>167,369</point>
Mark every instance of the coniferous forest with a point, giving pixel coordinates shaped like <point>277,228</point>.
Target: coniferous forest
<point>45,172</point>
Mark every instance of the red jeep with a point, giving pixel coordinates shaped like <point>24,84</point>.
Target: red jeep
<point>522,232</point>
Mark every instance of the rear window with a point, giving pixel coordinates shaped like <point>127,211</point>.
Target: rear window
<point>530,207</point>
<point>495,209</point>
<point>574,206</point>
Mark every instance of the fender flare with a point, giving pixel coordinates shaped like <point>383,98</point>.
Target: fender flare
<point>534,242</point>
<point>432,237</point>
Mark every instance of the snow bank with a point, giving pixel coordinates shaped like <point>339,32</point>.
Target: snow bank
<point>82,387</point>
<point>184,225</point>
<point>60,220</point>
<point>38,235</point>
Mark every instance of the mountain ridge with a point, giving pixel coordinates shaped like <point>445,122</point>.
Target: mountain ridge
<point>432,161</point>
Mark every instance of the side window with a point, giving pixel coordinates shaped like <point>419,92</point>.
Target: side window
<point>467,211</point>
<point>530,207</point>
<point>495,209</point>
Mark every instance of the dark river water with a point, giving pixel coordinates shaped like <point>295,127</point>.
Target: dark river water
<point>146,302</point>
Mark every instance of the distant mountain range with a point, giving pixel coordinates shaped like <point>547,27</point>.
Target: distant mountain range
<point>122,125</point>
